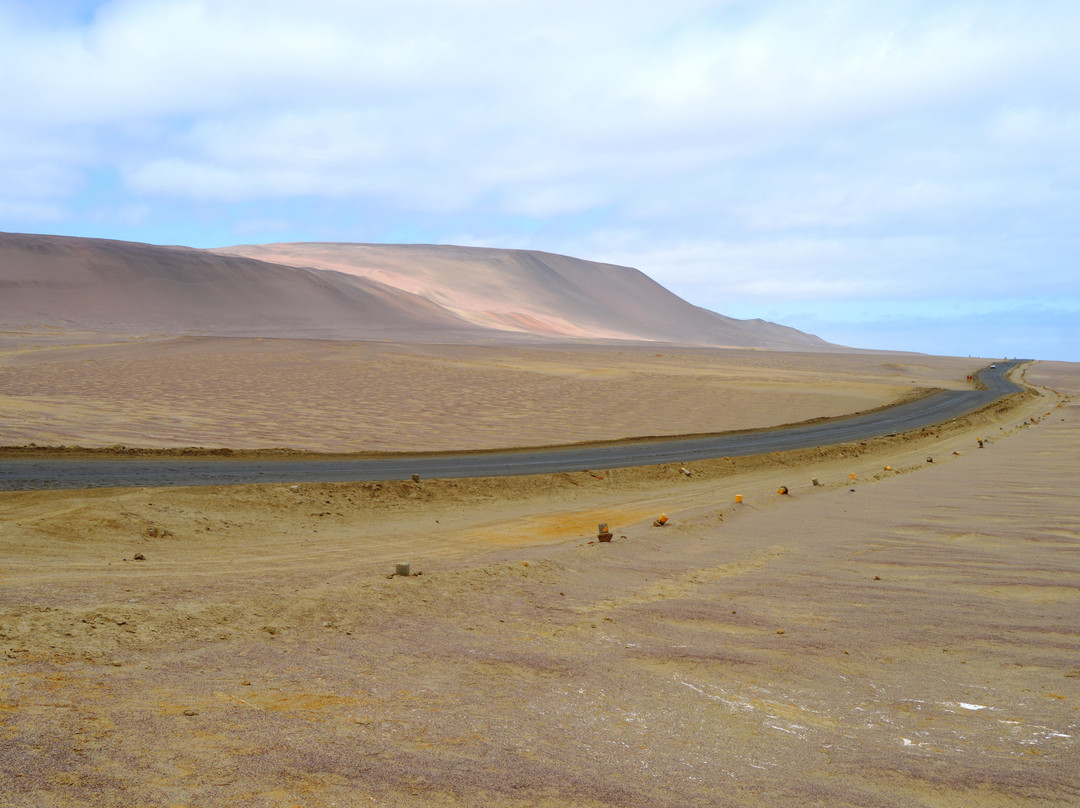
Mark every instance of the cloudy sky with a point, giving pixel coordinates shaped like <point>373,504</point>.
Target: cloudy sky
<point>889,175</point>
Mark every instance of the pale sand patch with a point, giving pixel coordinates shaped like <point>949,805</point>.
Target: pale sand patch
<point>260,655</point>
<point>368,396</point>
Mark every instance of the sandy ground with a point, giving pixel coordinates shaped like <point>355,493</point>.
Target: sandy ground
<point>914,641</point>
<point>367,396</point>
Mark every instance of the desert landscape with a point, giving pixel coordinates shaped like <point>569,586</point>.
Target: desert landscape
<point>898,629</point>
<point>349,396</point>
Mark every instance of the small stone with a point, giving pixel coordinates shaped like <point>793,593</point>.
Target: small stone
<point>779,631</point>
<point>139,557</point>
<point>191,712</point>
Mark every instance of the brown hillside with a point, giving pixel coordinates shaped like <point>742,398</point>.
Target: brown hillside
<point>537,292</point>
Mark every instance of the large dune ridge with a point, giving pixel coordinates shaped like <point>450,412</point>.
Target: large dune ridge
<point>103,285</point>
<point>537,292</point>
<point>353,291</point>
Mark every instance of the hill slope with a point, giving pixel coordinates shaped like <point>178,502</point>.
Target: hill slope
<point>537,292</point>
<point>123,286</point>
<point>353,291</point>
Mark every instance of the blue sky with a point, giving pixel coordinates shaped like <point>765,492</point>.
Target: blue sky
<point>889,175</point>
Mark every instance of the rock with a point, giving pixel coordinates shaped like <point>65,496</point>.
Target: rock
<point>139,557</point>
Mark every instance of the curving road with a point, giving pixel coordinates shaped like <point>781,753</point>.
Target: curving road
<point>40,473</point>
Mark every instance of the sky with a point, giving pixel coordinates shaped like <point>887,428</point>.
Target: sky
<point>901,175</point>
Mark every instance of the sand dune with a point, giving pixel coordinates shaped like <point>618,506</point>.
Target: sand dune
<point>121,286</point>
<point>353,291</point>
<point>537,292</point>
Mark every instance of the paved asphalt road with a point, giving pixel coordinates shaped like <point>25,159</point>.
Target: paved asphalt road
<point>38,473</point>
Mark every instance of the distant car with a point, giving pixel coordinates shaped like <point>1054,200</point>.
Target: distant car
<point>993,367</point>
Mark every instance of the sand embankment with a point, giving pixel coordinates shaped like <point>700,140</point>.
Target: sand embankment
<point>913,641</point>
